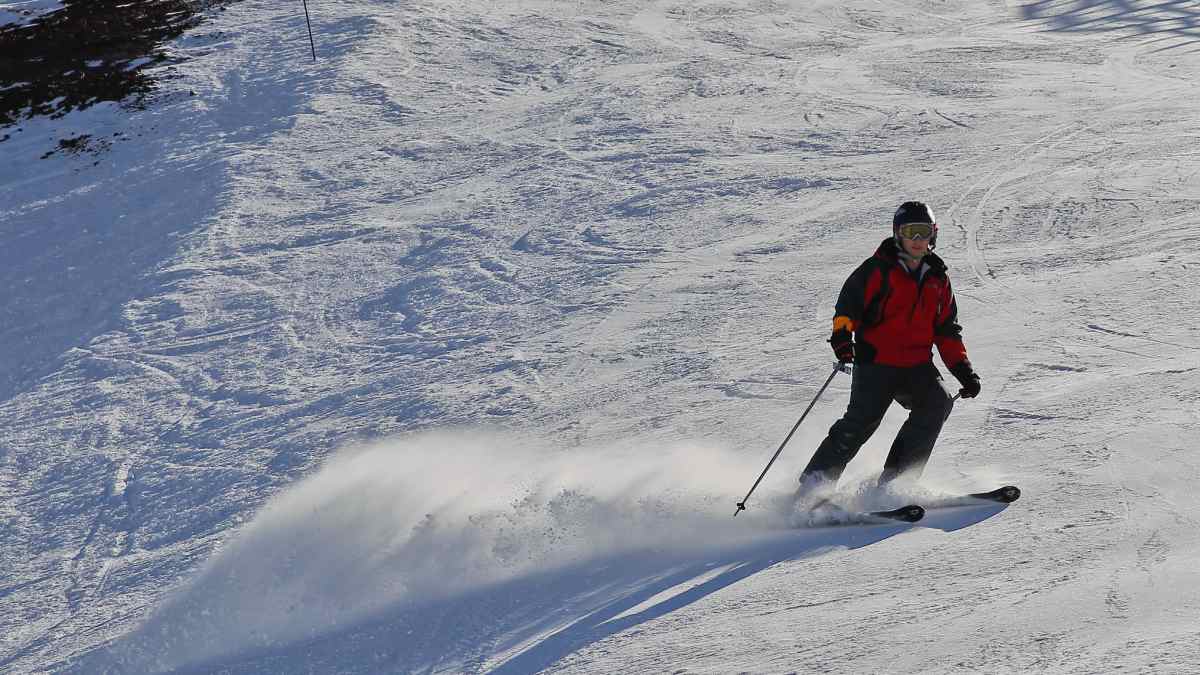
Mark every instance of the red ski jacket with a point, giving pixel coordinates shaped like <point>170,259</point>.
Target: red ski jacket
<point>898,315</point>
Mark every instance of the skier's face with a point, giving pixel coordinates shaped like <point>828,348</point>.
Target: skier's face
<point>916,248</point>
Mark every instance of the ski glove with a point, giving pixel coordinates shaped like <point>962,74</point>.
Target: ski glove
<point>842,342</point>
<point>966,376</point>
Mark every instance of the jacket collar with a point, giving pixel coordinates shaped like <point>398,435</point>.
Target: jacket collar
<point>889,251</point>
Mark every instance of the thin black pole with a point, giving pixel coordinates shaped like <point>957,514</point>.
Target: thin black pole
<point>311,44</point>
<point>742,504</point>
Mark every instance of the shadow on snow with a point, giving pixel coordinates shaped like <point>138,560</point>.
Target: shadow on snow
<point>1176,22</point>
<point>528,624</point>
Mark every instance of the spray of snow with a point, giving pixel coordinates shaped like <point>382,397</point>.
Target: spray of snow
<point>423,519</point>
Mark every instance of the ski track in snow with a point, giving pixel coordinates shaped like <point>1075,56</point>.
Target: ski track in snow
<point>239,340</point>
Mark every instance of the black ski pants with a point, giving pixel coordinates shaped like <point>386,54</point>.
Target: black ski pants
<point>872,389</point>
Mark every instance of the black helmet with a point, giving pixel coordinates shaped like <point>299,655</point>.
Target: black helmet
<point>914,212</point>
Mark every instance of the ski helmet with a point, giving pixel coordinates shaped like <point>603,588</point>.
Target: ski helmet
<point>914,212</point>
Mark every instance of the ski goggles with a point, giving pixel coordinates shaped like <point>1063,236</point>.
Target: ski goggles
<point>916,231</point>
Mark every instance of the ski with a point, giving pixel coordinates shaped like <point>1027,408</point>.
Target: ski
<point>911,513</point>
<point>828,514</point>
<point>1003,495</point>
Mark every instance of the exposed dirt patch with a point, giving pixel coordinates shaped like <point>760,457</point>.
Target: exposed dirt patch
<point>87,52</point>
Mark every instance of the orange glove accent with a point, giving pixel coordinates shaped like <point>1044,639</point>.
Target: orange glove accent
<point>843,323</point>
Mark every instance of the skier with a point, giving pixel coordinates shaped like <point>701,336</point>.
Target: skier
<point>890,314</point>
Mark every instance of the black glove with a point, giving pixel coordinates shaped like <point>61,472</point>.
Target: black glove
<point>966,376</point>
<point>842,342</point>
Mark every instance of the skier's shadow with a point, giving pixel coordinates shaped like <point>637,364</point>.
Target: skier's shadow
<point>527,624</point>
<point>958,517</point>
<point>692,582</point>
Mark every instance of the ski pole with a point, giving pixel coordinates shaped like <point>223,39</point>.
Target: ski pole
<point>742,504</point>
<point>311,43</point>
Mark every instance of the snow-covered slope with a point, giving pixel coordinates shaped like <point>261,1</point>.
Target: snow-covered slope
<point>454,350</point>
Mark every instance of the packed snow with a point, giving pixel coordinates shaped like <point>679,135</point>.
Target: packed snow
<point>454,350</point>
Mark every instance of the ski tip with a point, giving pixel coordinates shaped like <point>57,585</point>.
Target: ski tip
<point>1004,495</point>
<point>906,514</point>
<point>1008,494</point>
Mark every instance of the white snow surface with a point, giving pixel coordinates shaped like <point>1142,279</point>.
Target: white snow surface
<point>453,351</point>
